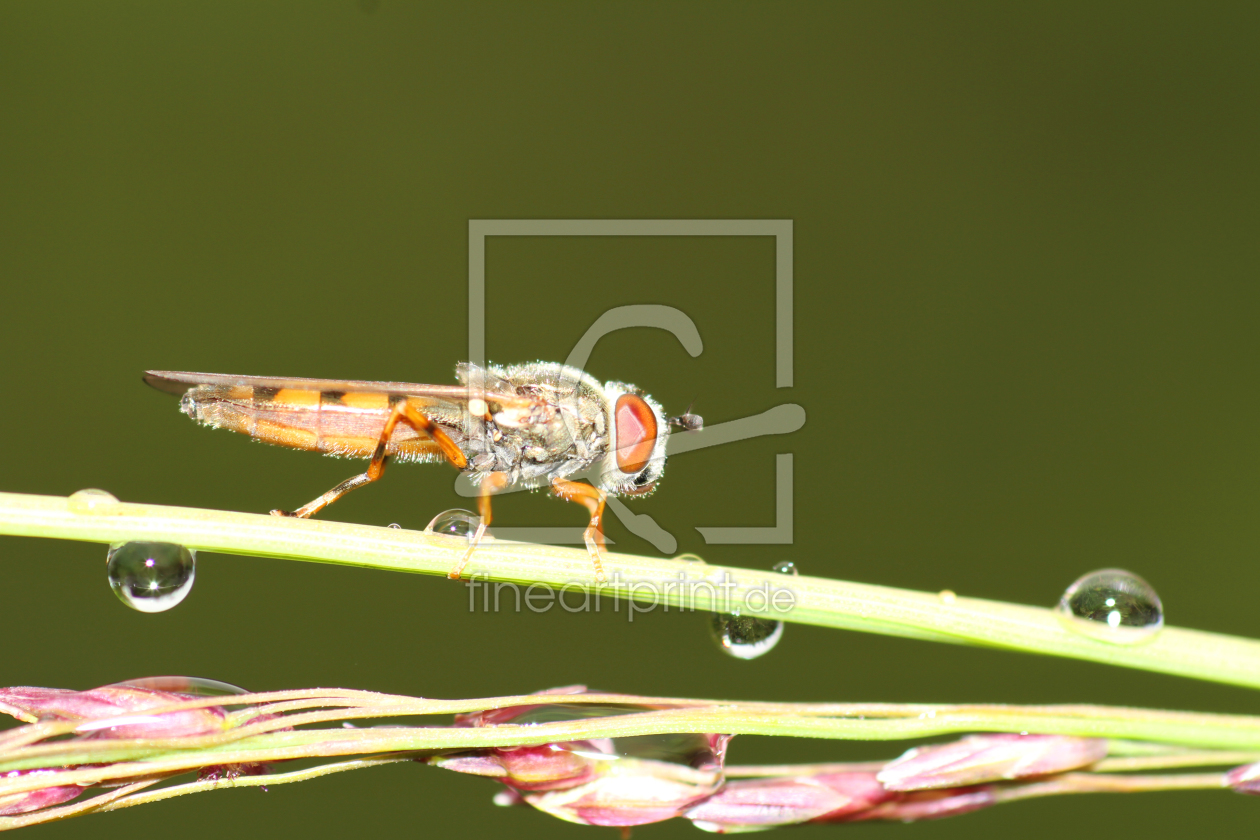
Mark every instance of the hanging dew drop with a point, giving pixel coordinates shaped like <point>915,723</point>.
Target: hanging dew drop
<point>690,558</point>
<point>748,637</point>
<point>745,637</point>
<point>395,526</point>
<point>454,523</point>
<point>1112,605</point>
<point>151,576</point>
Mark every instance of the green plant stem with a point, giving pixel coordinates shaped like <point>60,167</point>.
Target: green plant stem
<point>632,579</point>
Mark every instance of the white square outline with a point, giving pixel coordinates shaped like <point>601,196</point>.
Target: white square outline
<point>781,229</point>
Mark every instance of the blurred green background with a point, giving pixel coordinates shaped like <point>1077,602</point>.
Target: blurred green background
<point>1025,336</point>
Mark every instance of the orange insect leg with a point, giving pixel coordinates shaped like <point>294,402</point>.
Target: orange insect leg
<point>593,498</point>
<point>401,412</point>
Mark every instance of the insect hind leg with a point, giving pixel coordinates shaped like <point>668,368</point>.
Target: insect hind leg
<point>400,411</point>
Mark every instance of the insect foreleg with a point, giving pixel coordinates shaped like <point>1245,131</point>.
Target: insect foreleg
<point>593,498</point>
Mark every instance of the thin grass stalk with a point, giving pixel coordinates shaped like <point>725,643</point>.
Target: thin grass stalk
<point>818,601</point>
<point>136,765</point>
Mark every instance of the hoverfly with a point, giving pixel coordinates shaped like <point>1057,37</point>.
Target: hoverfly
<point>529,426</point>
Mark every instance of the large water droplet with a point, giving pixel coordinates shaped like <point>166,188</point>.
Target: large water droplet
<point>193,686</point>
<point>1112,605</point>
<point>151,576</point>
<point>92,500</point>
<point>454,523</point>
<point>747,637</point>
<point>690,558</point>
<point>196,686</point>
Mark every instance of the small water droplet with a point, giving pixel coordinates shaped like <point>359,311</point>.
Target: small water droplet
<point>454,523</point>
<point>93,500</point>
<point>947,596</point>
<point>749,637</point>
<point>1112,605</point>
<point>745,637</point>
<point>690,558</point>
<point>151,576</point>
<point>395,525</point>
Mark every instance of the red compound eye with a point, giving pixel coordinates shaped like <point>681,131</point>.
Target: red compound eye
<point>636,433</point>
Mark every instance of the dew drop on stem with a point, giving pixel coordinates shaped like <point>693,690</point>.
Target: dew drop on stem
<point>454,523</point>
<point>1112,605</point>
<point>93,500</point>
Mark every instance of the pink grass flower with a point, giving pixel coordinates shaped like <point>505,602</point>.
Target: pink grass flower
<point>113,711</point>
<point>753,804</point>
<point>33,800</point>
<point>617,782</point>
<point>927,805</point>
<point>988,758</point>
<point>1245,779</point>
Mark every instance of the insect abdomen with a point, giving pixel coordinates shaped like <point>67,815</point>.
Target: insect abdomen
<point>332,422</point>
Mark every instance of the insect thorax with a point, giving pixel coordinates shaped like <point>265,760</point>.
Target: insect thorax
<point>566,431</point>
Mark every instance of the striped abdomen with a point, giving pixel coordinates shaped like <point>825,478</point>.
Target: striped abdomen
<point>346,424</point>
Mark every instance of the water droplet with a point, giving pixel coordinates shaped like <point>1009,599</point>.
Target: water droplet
<point>947,596</point>
<point>749,637</point>
<point>151,576</point>
<point>745,637</point>
<point>1112,605</point>
<point>193,686</point>
<point>690,558</point>
<point>196,686</point>
<point>92,500</point>
<point>395,525</point>
<point>454,523</point>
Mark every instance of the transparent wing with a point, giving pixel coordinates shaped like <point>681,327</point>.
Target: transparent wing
<point>180,382</point>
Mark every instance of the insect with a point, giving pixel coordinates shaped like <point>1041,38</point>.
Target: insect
<point>529,426</point>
